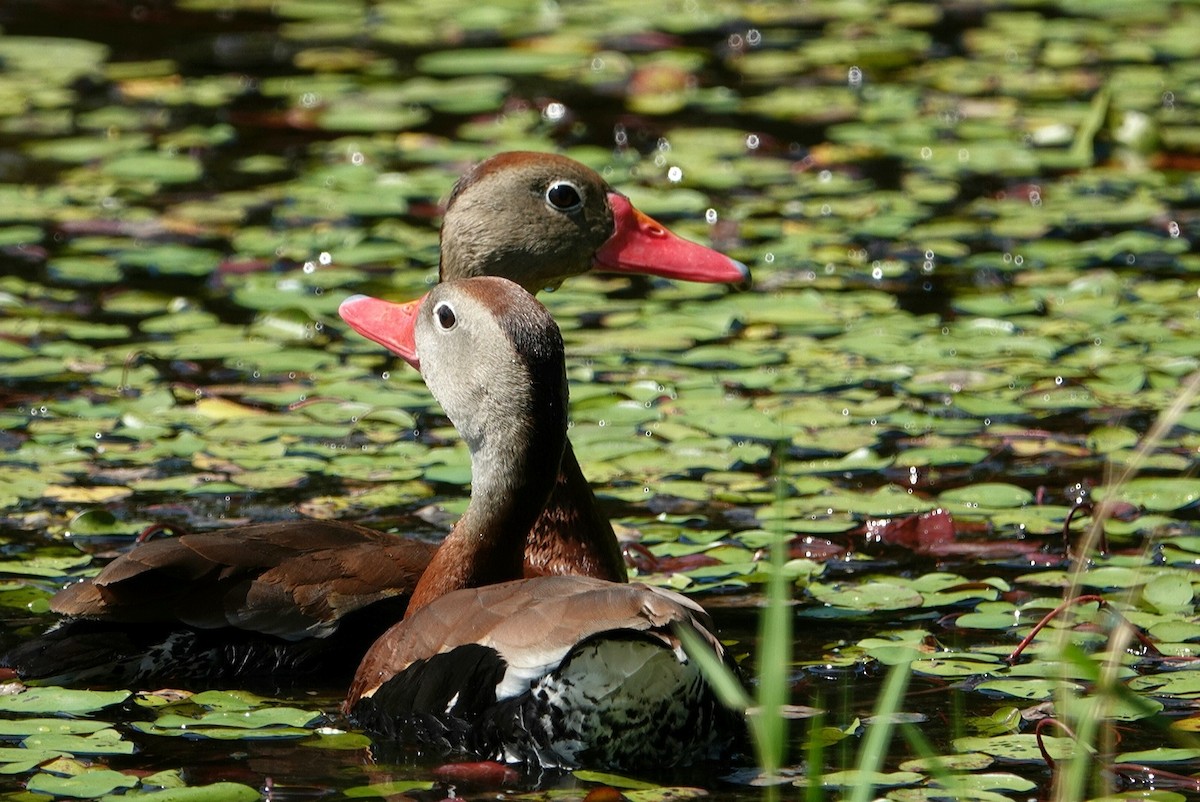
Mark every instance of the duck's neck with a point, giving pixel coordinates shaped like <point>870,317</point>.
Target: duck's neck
<point>514,468</point>
<point>572,536</point>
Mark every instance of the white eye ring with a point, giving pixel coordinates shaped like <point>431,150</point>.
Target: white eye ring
<point>563,196</point>
<point>443,315</point>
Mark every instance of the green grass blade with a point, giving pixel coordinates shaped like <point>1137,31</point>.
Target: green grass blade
<point>724,682</point>
<point>879,733</point>
<point>775,655</point>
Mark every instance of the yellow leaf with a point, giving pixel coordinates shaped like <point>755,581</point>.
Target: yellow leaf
<point>86,495</point>
<point>222,409</point>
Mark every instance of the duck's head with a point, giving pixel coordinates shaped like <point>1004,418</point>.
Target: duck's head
<point>540,218</point>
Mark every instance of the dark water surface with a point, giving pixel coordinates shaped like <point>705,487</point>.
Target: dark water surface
<point>971,227</point>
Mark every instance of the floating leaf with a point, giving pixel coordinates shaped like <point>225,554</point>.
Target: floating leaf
<point>217,792</point>
<point>1023,747</point>
<point>61,701</point>
<point>85,785</point>
<point>870,597</point>
<point>1158,494</point>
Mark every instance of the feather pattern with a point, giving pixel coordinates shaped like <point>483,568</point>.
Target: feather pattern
<point>556,672</point>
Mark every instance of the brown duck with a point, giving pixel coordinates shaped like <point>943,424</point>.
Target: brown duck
<point>282,601</point>
<point>558,671</point>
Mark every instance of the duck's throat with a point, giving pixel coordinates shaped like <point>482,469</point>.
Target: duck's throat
<point>487,545</point>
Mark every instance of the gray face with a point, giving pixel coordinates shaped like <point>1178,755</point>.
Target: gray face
<point>493,358</point>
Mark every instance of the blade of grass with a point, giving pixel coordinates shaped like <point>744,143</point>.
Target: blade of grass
<point>724,682</point>
<point>1071,784</point>
<point>775,651</point>
<point>815,757</point>
<point>879,733</point>
<point>768,726</point>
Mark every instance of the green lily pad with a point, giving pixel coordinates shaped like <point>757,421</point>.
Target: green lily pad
<point>61,701</point>
<point>85,785</point>
<point>158,167</point>
<point>988,496</point>
<point>216,792</point>
<point>386,789</point>
<point>496,61</point>
<point>1155,494</point>
<point>869,597</point>
<point>100,742</point>
<point>1019,748</point>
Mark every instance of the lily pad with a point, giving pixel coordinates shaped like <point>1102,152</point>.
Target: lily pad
<point>61,701</point>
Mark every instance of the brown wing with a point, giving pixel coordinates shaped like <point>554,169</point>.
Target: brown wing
<point>291,579</point>
<point>531,623</point>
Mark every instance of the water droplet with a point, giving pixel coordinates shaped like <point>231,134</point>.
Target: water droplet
<point>710,216</point>
<point>926,153</point>
<point>1173,229</point>
<point>357,158</point>
<point>675,175</point>
<point>754,37</point>
<point>752,142</point>
<point>769,258</point>
<point>387,374</point>
<point>98,435</point>
<point>554,111</point>
<point>854,77</point>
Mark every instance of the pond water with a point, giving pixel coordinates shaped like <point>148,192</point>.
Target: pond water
<point>972,232</point>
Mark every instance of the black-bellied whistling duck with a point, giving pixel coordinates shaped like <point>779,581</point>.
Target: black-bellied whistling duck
<point>289,599</point>
<point>560,671</point>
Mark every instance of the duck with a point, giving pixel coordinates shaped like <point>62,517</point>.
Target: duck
<point>555,672</point>
<point>287,601</point>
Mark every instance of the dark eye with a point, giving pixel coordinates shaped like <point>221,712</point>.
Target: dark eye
<point>445,316</point>
<point>564,196</point>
